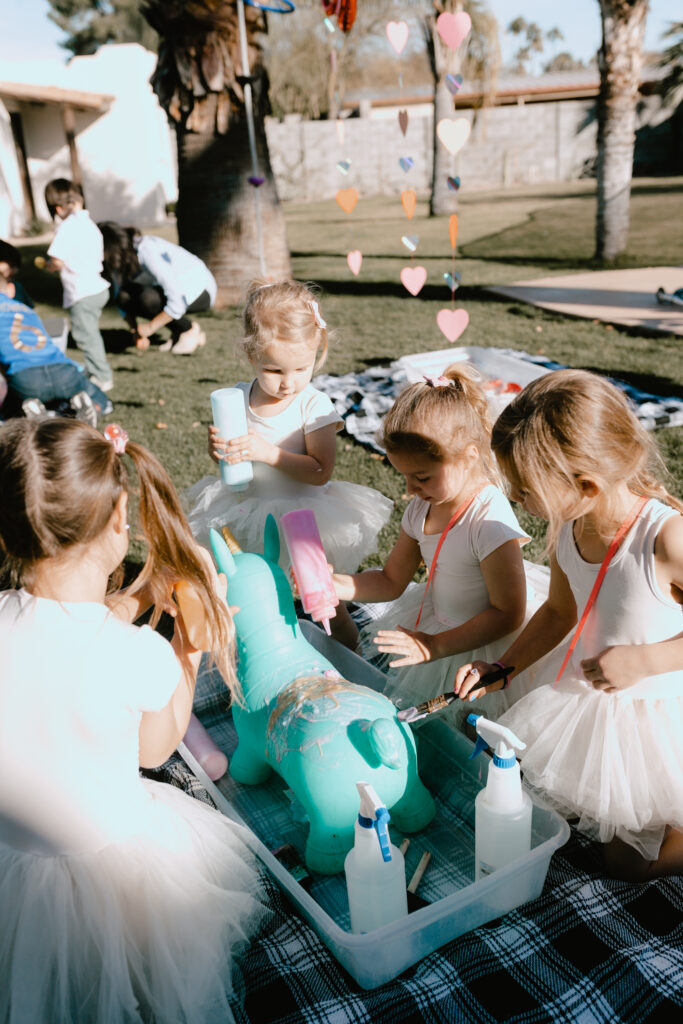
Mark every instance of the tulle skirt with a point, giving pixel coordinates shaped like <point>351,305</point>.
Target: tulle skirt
<point>613,761</point>
<point>413,684</point>
<point>349,517</point>
<point>143,930</point>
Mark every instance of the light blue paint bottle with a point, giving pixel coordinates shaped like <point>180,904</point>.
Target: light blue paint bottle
<point>230,416</point>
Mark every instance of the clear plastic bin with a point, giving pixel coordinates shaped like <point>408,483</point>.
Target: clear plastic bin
<point>456,902</point>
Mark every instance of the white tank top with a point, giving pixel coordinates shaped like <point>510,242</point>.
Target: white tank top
<point>630,608</point>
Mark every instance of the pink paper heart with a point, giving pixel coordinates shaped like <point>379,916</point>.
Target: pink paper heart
<point>452,322</point>
<point>397,34</point>
<point>453,133</point>
<point>354,260</point>
<point>413,279</point>
<point>453,28</point>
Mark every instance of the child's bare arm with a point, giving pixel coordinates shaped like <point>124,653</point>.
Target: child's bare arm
<point>382,584</point>
<point>315,467</point>
<point>550,625</point>
<point>621,666</point>
<point>503,572</point>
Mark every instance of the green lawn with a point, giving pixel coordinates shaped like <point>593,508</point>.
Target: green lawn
<point>163,401</point>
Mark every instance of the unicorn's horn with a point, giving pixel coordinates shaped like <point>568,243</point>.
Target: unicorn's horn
<point>229,538</point>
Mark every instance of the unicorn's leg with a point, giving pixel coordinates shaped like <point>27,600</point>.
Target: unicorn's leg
<point>416,808</point>
<point>248,763</point>
<point>328,842</point>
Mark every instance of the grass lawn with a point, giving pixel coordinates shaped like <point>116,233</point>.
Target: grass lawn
<point>163,401</point>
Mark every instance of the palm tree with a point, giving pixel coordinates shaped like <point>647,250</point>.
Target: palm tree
<point>620,59</point>
<point>200,82</point>
<point>477,58</point>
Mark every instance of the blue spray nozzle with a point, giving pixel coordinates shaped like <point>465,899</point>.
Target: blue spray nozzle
<point>381,824</point>
<point>480,744</point>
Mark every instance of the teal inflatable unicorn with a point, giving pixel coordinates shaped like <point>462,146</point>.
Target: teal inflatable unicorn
<point>320,733</point>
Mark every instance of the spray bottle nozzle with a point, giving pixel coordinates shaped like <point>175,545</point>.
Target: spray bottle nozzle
<point>502,741</point>
<point>374,814</point>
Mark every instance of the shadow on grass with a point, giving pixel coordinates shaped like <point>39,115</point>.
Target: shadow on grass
<point>664,387</point>
<point>395,290</point>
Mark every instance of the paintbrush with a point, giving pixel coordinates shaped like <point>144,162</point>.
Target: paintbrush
<point>428,707</point>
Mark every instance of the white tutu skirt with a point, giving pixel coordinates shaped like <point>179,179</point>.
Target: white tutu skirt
<point>141,930</point>
<point>413,684</point>
<point>349,517</point>
<point>610,760</point>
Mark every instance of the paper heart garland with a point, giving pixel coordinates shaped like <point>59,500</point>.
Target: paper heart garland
<point>410,242</point>
<point>452,280</point>
<point>347,199</point>
<point>453,229</point>
<point>344,166</point>
<point>453,28</point>
<point>453,83</point>
<point>413,279</point>
<point>406,163</point>
<point>453,133</point>
<point>452,322</point>
<point>403,120</point>
<point>354,260</point>
<point>453,184</point>
<point>409,201</point>
<point>397,34</point>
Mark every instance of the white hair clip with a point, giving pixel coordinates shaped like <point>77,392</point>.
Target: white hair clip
<point>316,313</point>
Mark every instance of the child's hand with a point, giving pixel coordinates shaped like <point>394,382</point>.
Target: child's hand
<point>615,668</point>
<point>141,342</point>
<point>413,646</point>
<point>216,444</point>
<point>250,448</point>
<point>467,678</point>
<point>343,585</point>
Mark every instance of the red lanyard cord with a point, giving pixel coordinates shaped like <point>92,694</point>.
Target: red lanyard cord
<point>628,522</point>
<point>459,512</point>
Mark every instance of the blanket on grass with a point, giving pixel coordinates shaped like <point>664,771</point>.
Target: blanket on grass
<point>363,399</point>
<point>589,950</point>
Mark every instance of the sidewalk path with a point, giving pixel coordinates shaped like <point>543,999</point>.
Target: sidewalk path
<point>617,296</point>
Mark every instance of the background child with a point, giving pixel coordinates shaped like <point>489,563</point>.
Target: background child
<point>605,737</point>
<point>10,265</point>
<point>140,893</point>
<point>291,440</point>
<point>76,252</point>
<point>437,435</point>
<point>36,371</point>
<point>159,281</point>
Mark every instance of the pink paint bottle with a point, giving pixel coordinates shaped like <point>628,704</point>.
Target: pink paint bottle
<point>309,563</point>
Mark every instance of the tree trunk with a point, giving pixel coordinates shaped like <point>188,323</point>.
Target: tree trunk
<point>217,206</point>
<point>444,61</point>
<point>620,60</point>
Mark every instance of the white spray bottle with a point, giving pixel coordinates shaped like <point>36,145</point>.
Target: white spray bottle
<point>502,818</point>
<point>375,870</point>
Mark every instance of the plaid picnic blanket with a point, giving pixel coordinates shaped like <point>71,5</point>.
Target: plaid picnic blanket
<point>589,950</point>
<point>363,399</point>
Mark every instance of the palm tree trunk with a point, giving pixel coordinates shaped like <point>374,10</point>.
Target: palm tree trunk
<point>217,211</point>
<point>620,60</point>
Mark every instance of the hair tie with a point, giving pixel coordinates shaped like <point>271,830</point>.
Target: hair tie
<point>316,313</point>
<point>117,436</point>
<point>433,380</point>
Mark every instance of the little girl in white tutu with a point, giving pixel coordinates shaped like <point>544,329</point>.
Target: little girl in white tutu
<point>291,440</point>
<point>437,434</point>
<point>605,735</point>
<point>120,899</point>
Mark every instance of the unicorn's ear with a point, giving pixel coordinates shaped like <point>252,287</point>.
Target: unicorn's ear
<point>271,540</point>
<point>222,554</point>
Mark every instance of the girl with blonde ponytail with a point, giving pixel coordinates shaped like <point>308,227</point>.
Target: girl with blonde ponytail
<point>459,522</point>
<point>604,736</point>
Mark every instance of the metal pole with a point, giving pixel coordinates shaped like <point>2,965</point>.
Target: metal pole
<point>249,109</point>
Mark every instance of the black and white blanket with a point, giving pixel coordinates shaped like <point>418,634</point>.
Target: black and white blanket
<point>363,399</point>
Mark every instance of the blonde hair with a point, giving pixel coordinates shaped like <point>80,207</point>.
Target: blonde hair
<point>284,312</point>
<point>568,424</point>
<point>440,422</point>
<point>60,481</point>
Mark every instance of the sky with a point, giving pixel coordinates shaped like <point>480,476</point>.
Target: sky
<point>29,34</point>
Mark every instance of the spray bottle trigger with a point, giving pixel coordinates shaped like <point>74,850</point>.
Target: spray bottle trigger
<point>381,823</point>
<point>480,743</point>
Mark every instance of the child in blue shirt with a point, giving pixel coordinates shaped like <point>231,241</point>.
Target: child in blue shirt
<point>35,370</point>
